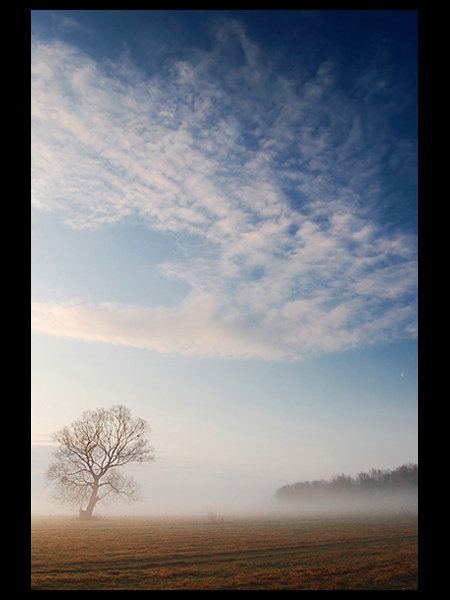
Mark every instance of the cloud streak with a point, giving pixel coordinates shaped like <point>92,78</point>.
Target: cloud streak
<point>270,182</point>
<point>191,329</point>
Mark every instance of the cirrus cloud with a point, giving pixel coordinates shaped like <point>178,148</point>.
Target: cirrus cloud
<point>270,182</point>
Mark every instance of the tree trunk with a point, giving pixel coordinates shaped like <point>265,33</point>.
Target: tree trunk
<point>87,514</point>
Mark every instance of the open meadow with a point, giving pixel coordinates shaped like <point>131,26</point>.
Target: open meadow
<point>309,553</point>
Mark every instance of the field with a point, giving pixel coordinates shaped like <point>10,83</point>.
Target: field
<point>357,553</point>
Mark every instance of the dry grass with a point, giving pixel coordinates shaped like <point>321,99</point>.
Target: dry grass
<point>273,554</point>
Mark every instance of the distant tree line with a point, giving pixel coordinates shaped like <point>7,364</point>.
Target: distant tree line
<point>366,489</point>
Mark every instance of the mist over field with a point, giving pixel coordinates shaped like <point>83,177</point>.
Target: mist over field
<point>378,491</point>
<point>226,496</point>
<point>387,502</point>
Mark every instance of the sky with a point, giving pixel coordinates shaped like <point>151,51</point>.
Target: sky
<point>224,239</point>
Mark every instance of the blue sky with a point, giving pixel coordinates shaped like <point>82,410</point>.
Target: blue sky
<point>224,239</point>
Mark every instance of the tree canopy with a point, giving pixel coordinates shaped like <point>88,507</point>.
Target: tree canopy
<point>86,468</point>
<point>386,488</point>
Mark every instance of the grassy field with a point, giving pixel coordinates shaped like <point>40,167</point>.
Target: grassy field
<point>358,553</point>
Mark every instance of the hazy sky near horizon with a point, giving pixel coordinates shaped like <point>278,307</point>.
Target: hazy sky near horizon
<point>224,239</point>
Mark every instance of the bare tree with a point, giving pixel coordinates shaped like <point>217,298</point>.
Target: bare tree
<point>86,466</point>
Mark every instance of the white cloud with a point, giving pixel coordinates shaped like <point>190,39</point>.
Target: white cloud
<point>191,329</point>
<point>274,181</point>
<point>66,22</point>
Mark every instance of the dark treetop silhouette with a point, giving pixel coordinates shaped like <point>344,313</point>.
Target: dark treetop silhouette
<point>86,467</point>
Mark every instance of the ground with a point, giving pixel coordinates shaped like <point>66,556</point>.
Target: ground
<point>310,553</point>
